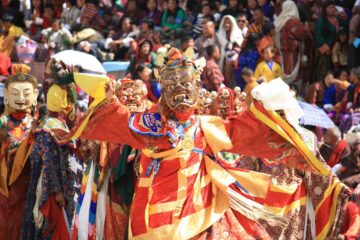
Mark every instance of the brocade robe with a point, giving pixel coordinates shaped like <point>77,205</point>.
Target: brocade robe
<point>181,192</point>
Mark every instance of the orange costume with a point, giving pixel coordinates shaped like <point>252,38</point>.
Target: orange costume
<point>182,192</point>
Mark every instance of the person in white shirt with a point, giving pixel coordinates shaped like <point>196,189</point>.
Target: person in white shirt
<point>57,36</point>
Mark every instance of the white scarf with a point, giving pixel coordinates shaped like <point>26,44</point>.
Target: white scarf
<point>235,37</point>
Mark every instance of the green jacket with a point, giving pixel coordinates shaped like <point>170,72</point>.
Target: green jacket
<point>179,19</point>
<point>325,33</point>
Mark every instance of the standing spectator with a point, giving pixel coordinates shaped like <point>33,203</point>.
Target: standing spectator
<point>304,9</point>
<point>57,36</point>
<point>231,38</point>
<point>248,59</point>
<point>172,21</point>
<point>89,16</point>
<point>354,33</point>
<point>9,34</point>
<point>256,26</point>
<point>325,36</point>
<point>144,55</point>
<point>340,51</point>
<point>290,39</point>
<point>70,15</point>
<point>242,23</point>
<point>267,9</point>
<point>268,69</point>
<point>268,40</point>
<point>212,78</point>
<point>152,12</point>
<point>208,38</point>
<point>232,9</point>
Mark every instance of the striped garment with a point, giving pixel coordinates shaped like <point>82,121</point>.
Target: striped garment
<point>90,17</point>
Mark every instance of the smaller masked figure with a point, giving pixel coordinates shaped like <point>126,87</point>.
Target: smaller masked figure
<point>112,170</point>
<point>51,188</point>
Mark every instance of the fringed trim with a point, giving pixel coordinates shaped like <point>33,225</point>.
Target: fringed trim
<point>254,210</point>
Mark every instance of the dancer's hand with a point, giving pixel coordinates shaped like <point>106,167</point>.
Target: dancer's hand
<point>34,125</point>
<point>60,199</point>
<point>109,89</point>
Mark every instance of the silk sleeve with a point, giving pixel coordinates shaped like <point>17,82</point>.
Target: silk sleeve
<point>110,123</point>
<point>250,137</point>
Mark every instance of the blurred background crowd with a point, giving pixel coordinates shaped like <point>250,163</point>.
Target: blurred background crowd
<point>314,45</point>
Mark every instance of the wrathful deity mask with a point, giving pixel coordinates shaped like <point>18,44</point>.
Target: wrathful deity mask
<point>180,88</point>
<point>20,93</point>
<point>133,94</point>
<point>180,80</point>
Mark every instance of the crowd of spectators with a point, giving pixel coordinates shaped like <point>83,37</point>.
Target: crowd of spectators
<point>314,45</point>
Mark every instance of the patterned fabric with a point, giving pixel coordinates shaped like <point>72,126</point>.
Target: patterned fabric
<point>93,178</point>
<point>12,206</point>
<point>315,116</point>
<point>51,161</point>
<point>316,187</point>
<point>230,228</point>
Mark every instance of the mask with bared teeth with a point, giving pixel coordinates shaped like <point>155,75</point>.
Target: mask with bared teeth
<point>179,76</point>
<point>133,94</point>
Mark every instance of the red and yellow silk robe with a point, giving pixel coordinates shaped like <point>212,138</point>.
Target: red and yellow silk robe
<point>181,191</point>
<point>14,173</point>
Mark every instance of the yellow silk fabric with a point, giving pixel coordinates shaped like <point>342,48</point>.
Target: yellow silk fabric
<point>94,85</point>
<point>56,99</point>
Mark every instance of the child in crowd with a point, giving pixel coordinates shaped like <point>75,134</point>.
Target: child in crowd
<point>57,36</point>
<point>268,69</point>
<point>251,83</point>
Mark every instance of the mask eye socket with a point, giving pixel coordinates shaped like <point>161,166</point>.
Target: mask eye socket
<point>188,84</point>
<point>170,87</point>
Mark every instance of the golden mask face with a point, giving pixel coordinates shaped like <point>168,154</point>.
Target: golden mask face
<point>180,88</point>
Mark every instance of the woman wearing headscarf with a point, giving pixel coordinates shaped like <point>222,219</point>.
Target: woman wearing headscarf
<point>231,38</point>
<point>290,38</point>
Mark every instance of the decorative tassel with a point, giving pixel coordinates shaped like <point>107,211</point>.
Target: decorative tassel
<point>254,210</point>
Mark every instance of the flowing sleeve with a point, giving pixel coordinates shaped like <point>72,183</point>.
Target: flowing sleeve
<point>251,137</point>
<point>110,122</point>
